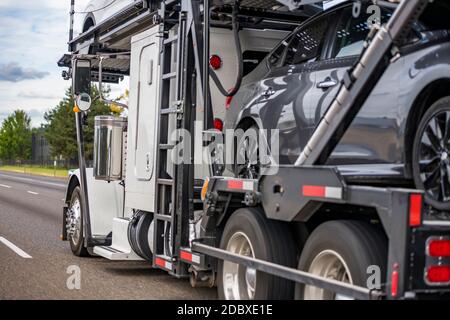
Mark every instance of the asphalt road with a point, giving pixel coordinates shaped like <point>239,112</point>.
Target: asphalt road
<point>34,262</point>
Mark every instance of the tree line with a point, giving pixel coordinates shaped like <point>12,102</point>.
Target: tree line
<point>59,130</point>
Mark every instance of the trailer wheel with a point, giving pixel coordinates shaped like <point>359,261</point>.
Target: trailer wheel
<point>431,155</point>
<point>248,232</point>
<point>343,251</point>
<point>76,226</point>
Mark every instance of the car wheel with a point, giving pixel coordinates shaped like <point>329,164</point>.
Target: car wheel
<point>247,164</point>
<point>75,224</point>
<point>431,155</point>
<point>248,232</point>
<point>343,251</point>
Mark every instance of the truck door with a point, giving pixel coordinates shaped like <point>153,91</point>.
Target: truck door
<point>142,121</point>
<point>146,106</point>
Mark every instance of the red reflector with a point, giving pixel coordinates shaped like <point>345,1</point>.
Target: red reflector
<point>186,255</point>
<point>228,100</point>
<point>438,274</point>
<point>235,184</point>
<point>415,210</point>
<point>313,191</point>
<point>160,262</point>
<point>215,61</point>
<point>218,124</point>
<point>439,248</point>
<point>394,283</point>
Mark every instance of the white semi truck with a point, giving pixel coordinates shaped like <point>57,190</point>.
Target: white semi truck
<point>196,219</point>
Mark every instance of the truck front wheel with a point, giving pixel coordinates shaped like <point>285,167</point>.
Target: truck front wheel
<point>343,251</point>
<point>248,232</point>
<point>75,225</point>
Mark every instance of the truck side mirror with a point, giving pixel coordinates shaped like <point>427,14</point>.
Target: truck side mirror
<point>81,77</point>
<point>83,101</point>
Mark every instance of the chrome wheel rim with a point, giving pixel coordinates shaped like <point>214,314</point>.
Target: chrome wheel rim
<point>74,221</point>
<point>434,157</point>
<point>239,282</point>
<point>328,264</point>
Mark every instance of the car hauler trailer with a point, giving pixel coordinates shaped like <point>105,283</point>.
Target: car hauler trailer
<point>248,236</point>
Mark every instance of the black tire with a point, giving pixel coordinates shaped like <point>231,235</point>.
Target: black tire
<point>271,241</point>
<point>433,176</point>
<point>142,239</point>
<point>359,244</point>
<point>77,247</point>
<point>138,230</point>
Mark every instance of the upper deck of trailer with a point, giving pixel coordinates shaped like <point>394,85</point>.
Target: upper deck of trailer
<point>113,35</point>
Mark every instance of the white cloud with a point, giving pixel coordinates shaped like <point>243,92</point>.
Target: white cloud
<point>13,72</point>
<point>33,36</point>
<point>37,95</point>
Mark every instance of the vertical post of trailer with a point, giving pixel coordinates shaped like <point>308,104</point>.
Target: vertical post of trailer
<point>80,143</point>
<point>72,17</point>
<point>83,182</point>
<point>206,102</point>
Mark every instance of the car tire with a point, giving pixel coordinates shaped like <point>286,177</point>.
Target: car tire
<point>341,250</point>
<point>77,242</point>
<point>431,155</point>
<point>270,241</point>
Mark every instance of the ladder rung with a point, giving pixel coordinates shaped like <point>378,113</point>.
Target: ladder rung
<point>170,110</point>
<point>169,2</point>
<point>170,39</point>
<point>167,182</point>
<point>169,75</point>
<point>164,217</point>
<point>166,146</point>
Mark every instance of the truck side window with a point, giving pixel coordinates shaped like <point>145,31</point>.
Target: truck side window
<point>307,42</point>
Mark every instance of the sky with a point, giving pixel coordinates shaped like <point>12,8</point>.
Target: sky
<point>33,36</point>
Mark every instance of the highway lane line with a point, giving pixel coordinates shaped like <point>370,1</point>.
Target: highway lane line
<point>37,181</point>
<point>5,186</point>
<point>15,248</point>
<point>31,192</point>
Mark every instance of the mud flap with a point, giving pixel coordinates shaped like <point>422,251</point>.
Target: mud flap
<point>64,222</point>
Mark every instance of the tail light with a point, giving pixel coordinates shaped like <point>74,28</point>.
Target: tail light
<point>215,62</point>
<point>439,248</point>
<point>415,210</point>
<point>218,124</point>
<point>394,283</point>
<point>438,275</point>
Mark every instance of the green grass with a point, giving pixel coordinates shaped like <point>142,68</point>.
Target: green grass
<point>42,171</point>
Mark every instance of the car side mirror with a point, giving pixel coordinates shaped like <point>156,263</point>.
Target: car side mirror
<point>81,77</point>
